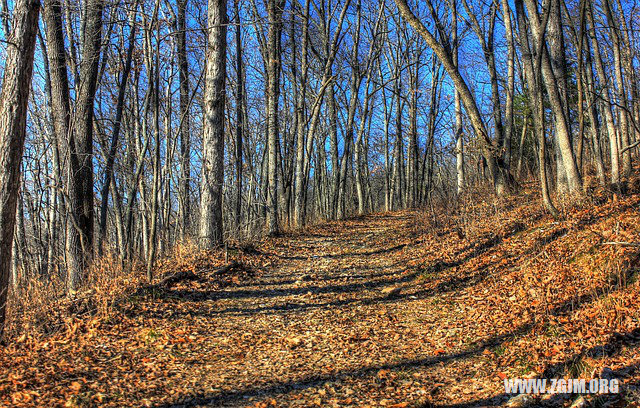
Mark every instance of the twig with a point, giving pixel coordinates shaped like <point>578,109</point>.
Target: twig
<point>631,244</point>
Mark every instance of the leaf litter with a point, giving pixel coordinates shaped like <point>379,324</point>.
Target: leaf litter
<point>393,309</point>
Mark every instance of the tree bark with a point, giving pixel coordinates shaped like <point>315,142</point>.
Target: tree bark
<point>274,10</point>
<point>213,139</point>
<point>536,102</point>
<point>563,133</point>
<point>14,98</point>
<point>602,77</point>
<point>184,190</point>
<point>458,107</point>
<point>78,133</point>
<point>559,68</point>
<point>240,125</point>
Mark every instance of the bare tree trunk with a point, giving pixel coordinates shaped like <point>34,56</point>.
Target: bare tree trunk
<point>578,39</point>
<point>116,130</point>
<point>358,151</point>
<point>509,124</point>
<point>77,134</point>
<point>154,76</point>
<point>534,83</point>
<point>498,173</point>
<point>20,237</point>
<point>184,190</point>
<point>559,68</point>
<point>59,86</point>
<point>458,107</point>
<point>240,125</point>
<point>412,148</point>
<point>523,134</point>
<point>563,133</point>
<point>80,177</point>
<point>348,142</point>
<point>387,119</point>
<point>602,76</point>
<point>54,191</point>
<point>213,139</point>
<point>14,98</point>
<point>399,159</point>
<point>333,145</point>
<point>275,9</point>
<point>594,120</point>
<point>621,94</point>
<point>428,159</point>
<point>301,93</point>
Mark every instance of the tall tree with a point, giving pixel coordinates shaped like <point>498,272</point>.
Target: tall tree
<point>184,195</point>
<point>508,114</point>
<point>14,98</point>
<point>614,147</point>
<point>620,91</point>
<point>113,146</point>
<point>557,54</point>
<point>532,62</point>
<point>78,133</point>
<point>455,45</point>
<point>240,113</point>
<point>554,92</point>
<point>498,173</point>
<point>213,139</point>
<point>275,9</point>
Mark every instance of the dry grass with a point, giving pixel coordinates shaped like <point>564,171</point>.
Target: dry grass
<point>41,307</point>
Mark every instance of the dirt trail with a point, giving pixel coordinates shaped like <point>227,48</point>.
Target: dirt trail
<point>376,311</point>
<point>333,322</point>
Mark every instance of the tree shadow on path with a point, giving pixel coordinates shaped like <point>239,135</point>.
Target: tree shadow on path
<point>279,388</point>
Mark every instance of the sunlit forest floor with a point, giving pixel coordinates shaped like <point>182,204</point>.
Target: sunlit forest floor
<point>405,309</point>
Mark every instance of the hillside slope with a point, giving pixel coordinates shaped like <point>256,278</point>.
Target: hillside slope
<point>395,309</point>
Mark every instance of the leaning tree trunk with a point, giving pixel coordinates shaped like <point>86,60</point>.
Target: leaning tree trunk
<point>497,171</point>
<point>14,98</point>
<point>213,139</point>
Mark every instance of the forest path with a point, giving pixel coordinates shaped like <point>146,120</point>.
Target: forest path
<point>385,310</point>
<point>334,321</point>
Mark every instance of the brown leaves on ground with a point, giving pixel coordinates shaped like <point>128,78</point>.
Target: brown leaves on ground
<point>394,310</point>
